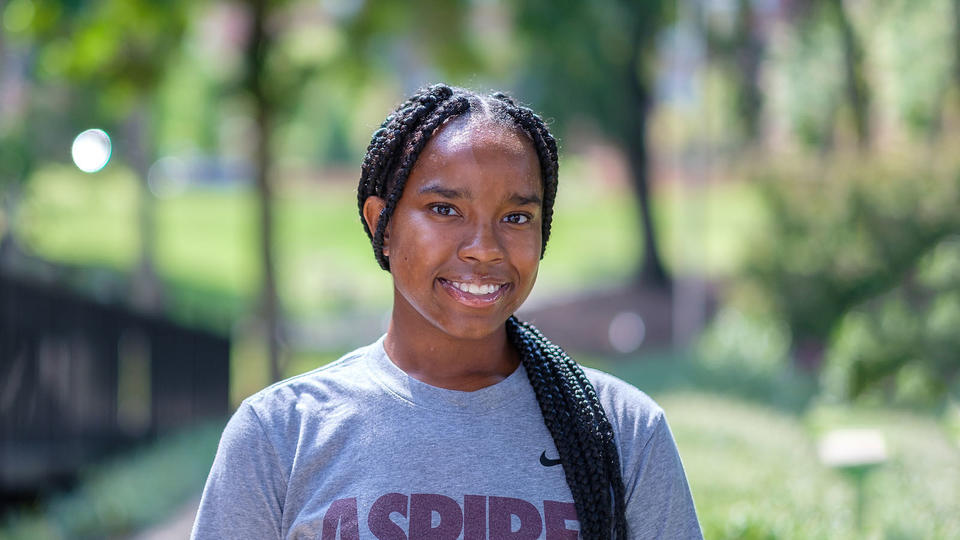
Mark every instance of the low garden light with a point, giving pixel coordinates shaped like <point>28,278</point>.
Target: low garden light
<point>854,452</point>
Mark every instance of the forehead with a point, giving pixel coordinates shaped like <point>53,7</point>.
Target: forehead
<point>466,133</point>
<point>470,148</point>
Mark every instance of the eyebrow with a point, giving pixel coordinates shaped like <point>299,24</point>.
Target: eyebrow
<point>523,200</point>
<point>449,193</point>
<point>453,193</point>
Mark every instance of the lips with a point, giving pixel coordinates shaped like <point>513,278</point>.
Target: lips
<point>474,293</point>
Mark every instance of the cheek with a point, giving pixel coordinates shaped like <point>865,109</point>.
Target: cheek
<point>417,244</point>
<point>526,252</point>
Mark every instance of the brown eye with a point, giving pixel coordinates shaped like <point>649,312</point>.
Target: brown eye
<point>517,219</point>
<point>443,209</point>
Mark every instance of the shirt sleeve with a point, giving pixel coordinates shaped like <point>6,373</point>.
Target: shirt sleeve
<point>245,490</point>
<point>659,503</point>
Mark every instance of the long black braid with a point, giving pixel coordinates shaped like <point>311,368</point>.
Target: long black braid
<point>571,410</point>
<point>580,429</point>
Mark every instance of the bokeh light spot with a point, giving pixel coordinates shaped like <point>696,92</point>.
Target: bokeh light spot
<point>91,150</point>
<point>626,332</point>
<point>167,177</point>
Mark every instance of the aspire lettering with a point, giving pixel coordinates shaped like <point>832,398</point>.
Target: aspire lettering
<point>396,516</point>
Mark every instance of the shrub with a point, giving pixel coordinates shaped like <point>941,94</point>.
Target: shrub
<point>863,263</point>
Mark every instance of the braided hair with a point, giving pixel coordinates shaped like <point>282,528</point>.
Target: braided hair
<point>568,401</point>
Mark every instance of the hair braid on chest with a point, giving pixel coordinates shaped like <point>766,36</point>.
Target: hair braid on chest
<point>580,429</point>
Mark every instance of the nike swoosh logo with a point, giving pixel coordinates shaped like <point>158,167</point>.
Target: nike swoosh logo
<point>547,462</point>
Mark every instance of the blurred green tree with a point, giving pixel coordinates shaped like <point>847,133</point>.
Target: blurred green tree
<point>862,266</point>
<point>278,70</point>
<point>120,49</point>
<point>597,60</point>
<point>808,16</point>
<point>750,47</point>
<point>23,148</point>
<point>264,100</point>
<point>437,32</point>
<point>17,154</point>
<point>740,48</point>
<point>956,46</point>
<point>16,164</point>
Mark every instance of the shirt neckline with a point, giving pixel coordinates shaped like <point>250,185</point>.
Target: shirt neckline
<point>421,394</point>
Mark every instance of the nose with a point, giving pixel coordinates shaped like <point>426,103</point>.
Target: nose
<point>481,244</point>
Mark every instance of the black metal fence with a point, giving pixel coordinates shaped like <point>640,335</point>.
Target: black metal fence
<point>79,379</point>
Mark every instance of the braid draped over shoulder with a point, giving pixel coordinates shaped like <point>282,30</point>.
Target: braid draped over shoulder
<point>568,401</point>
<point>580,429</point>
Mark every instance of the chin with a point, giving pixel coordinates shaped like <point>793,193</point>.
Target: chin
<point>471,330</point>
<point>447,319</point>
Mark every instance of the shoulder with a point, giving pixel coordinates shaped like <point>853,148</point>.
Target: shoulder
<point>621,396</point>
<point>321,390</point>
<point>633,414</point>
<point>659,504</point>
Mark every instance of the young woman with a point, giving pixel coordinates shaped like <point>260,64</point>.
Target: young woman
<point>461,422</point>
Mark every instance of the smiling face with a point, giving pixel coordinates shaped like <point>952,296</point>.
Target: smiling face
<point>464,240</point>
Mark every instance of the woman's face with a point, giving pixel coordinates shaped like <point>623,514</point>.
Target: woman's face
<point>464,240</point>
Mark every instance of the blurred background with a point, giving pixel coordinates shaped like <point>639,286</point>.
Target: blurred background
<point>758,224</point>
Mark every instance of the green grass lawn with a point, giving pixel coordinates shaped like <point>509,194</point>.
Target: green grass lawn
<point>754,472</point>
<point>748,444</point>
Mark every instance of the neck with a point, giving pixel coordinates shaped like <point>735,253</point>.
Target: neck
<point>438,359</point>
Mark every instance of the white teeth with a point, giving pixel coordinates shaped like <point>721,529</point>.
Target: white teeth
<point>473,288</point>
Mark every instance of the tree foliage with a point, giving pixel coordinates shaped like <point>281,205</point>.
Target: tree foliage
<point>863,262</point>
<point>122,47</point>
<point>597,61</point>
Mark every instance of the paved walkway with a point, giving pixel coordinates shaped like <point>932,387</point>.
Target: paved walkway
<point>176,527</point>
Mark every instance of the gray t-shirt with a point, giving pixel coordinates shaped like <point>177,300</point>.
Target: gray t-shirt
<point>359,449</point>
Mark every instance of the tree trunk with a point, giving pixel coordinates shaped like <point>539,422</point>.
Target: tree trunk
<point>257,47</point>
<point>11,204</point>
<point>956,45</point>
<point>858,94</point>
<point>749,52</point>
<point>10,186</point>
<point>652,271</point>
<point>147,292</point>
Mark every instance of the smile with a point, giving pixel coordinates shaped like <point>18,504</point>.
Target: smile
<point>473,288</point>
<point>472,293</point>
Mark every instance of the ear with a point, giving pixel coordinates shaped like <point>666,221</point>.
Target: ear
<point>372,207</point>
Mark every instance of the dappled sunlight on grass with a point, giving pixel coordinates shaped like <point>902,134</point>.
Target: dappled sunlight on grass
<point>206,237</point>
<point>75,218</point>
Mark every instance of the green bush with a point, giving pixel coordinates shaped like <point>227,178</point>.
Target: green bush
<point>751,345</point>
<point>862,264</point>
